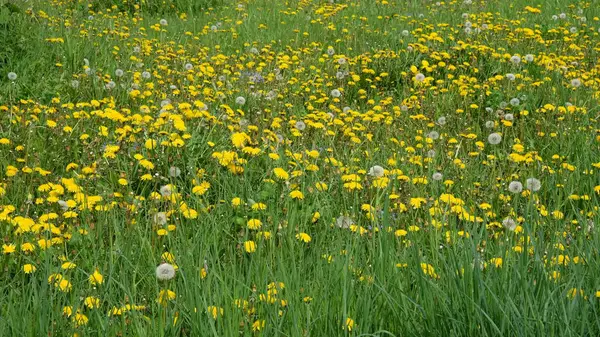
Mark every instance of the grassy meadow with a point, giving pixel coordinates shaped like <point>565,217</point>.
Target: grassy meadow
<point>299,168</point>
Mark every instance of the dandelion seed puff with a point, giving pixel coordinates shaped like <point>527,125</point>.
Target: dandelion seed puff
<point>437,176</point>
<point>489,110</point>
<point>433,135</point>
<point>339,75</point>
<point>562,16</point>
<point>490,124</point>
<point>166,191</point>
<point>240,100</point>
<point>214,28</point>
<point>468,30</point>
<point>63,204</point>
<point>515,59</point>
<point>573,30</point>
<point>111,85</point>
<point>511,77</point>
<point>300,125</point>
<point>509,224</point>
<point>174,171</point>
<point>533,184</point>
<point>119,72</point>
<point>189,66</point>
<point>344,222</point>
<point>431,153</point>
<point>75,84</point>
<point>515,187</point>
<point>146,75</point>
<point>576,82</point>
<point>503,105</point>
<point>330,51</point>
<point>403,108</point>
<point>330,115</point>
<point>346,109</point>
<point>509,117</point>
<point>376,171</point>
<point>420,77</point>
<point>465,16</point>
<point>494,138</point>
<point>137,49</point>
<point>12,76</point>
<point>554,17</point>
<point>484,26</point>
<point>529,57</point>
<point>160,218</point>
<point>441,120</point>
<point>165,272</point>
<point>405,33</point>
<point>468,24</point>
<point>163,22</point>
<point>514,101</point>
<point>336,93</point>
<point>341,61</point>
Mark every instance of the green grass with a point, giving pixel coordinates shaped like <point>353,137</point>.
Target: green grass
<point>420,259</point>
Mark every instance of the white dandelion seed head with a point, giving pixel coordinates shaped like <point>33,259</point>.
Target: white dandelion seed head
<point>165,272</point>
<point>533,184</point>
<point>484,26</point>
<point>344,222</point>
<point>562,16</point>
<point>420,77</point>
<point>174,171</point>
<point>75,84</point>
<point>160,218</point>
<point>441,120</point>
<point>346,109</point>
<point>300,125</point>
<point>576,82</point>
<point>468,30</point>
<point>515,59</point>
<point>166,191</point>
<point>433,135</point>
<point>494,138</point>
<point>137,49</point>
<point>341,61</point>
<point>405,33</point>
<point>489,110</point>
<point>376,171</point>
<point>515,101</point>
<point>503,105</point>
<point>403,108</point>
<point>146,75</point>
<point>468,24</point>
<point>437,176</point>
<point>163,22</point>
<point>529,57</point>
<point>431,153</point>
<point>465,16</point>
<point>119,72</point>
<point>509,224</point>
<point>189,66</point>
<point>490,124</point>
<point>240,100</point>
<point>335,93</point>
<point>511,77</point>
<point>339,75</point>
<point>554,17</point>
<point>509,117</point>
<point>515,187</point>
<point>12,76</point>
<point>573,30</point>
<point>330,51</point>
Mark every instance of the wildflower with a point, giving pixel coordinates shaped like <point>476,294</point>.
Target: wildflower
<point>533,184</point>
<point>281,173</point>
<point>300,125</point>
<point>163,22</point>
<point>165,272</point>
<point>250,246</point>
<point>494,138</point>
<point>119,72</point>
<point>174,172</point>
<point>515,101</point>
<point>75,84</point>
<point>489,124</point>
<point>160,218</point>
<point>509,224</point>
<point>348,324</point>
<point>164,296</point>
<point>29,268</point>
<point>376,171</point>
<point>437,176</point>
<point>515,187</point>
<point>441,120</point>
<point>335,93</point>
<point>529,58</point>
<point>254,224</point>
<point>240,100</point>
<point>297,195</point>
<point>96,278</point>
<point>515,59</point>
<point>303,237</point>
<point>214,311</point>
<point>511,77</point>
<point>166,191</point>
<point>12,76</point>
<point>419,77</point>
<point>344,222</point>
<point>576,82</point>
